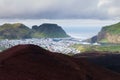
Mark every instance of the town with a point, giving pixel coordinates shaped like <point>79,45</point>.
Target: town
<point>60,45</point>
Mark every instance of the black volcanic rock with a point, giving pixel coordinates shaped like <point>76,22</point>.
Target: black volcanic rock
<point>92,40</point>
<point>106,59</point>
<point>48,30</point>
<point>35,27</point>
<point>31,62</point>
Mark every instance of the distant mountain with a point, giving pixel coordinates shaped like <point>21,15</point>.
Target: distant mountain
<point>48,31</point>
<point>14,31</point>
<point>20,31</point>
<point>31,62</point>
<point>108,34</point>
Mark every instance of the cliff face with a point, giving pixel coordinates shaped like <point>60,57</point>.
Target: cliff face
<point>92,40</point>
<point>20,31</point>
<point>108,34</point>
<point>106,37</point>
<point>47,30</point>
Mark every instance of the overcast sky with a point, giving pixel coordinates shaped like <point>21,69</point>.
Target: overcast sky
<point>75,16</point>
<point>60,9</point>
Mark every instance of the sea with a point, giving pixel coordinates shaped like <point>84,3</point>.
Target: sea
<point>76,28</point>
<point>82,32</point>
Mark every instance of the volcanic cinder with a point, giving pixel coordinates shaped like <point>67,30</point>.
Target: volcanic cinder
<point>31,62</point>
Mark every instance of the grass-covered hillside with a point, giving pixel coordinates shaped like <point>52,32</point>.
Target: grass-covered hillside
<point>14,31</point>
<point>113,29</point>
<point>48,31</point>
<point>108,34</point>
<point>92,48</point>
<point>20,31</point>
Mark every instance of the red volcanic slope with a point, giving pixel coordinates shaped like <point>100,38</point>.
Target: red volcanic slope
<point>30,62</point>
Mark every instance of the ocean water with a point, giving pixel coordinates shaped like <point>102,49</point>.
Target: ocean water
<point>82,29</point>
<point>82,32</point>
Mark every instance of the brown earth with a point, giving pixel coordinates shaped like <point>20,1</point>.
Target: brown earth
<point>30,62</point>
<point>105,59</point>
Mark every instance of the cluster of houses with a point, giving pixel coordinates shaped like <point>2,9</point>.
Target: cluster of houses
<point>60,45</point>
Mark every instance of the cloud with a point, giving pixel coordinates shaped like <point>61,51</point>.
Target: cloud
<point>110,7</point>
<point>60,9</point>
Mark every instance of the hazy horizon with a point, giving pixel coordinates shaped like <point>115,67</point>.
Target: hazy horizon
<point>79,18</point>
<point>76,28</point>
